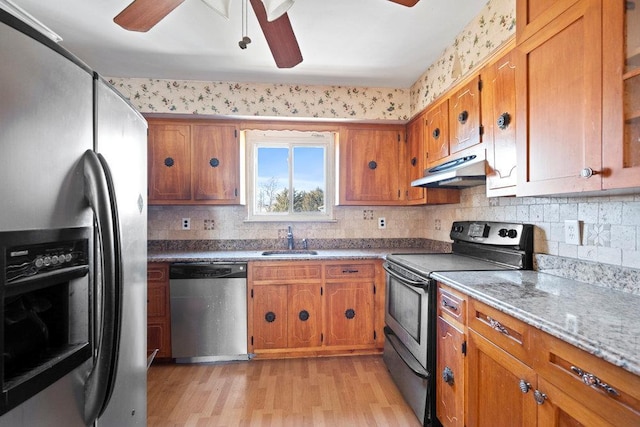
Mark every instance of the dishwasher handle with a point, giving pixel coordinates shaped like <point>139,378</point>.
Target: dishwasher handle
<point>208,271</point>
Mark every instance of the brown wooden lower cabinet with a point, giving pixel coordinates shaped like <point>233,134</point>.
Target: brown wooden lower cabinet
<point>158,310</point>
<point>516,375</point>
<point>307,308</point>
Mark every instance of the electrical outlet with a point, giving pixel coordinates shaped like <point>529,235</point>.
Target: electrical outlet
<point>186,223</point>
<point>382,223</point>
<point>572,234</point>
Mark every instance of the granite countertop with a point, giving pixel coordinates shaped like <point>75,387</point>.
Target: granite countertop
<point>243,256</point>
<point>599,320</point>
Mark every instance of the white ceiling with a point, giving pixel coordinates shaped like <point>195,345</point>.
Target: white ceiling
<point>373,43</point>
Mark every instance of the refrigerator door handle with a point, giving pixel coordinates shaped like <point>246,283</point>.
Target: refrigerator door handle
<point>101,197</point>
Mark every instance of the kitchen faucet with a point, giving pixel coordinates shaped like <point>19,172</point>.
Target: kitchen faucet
<point>290,239</point>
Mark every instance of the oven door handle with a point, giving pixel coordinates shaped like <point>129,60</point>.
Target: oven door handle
<point>404,354</point>
<point>416,284</point>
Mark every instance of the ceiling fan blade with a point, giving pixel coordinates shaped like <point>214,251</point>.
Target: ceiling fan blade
<point>280,37</point>
<point>408,3</point>
<point>142,15</point>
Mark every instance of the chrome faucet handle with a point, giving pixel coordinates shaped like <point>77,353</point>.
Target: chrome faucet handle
<point>305,244</point>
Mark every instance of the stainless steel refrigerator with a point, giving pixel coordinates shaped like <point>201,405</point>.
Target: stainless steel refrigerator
<point>73,229</point>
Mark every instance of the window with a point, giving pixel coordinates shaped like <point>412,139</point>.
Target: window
<point>289,175</point>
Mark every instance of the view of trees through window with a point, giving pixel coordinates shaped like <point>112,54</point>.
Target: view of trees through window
<point>300,188</point>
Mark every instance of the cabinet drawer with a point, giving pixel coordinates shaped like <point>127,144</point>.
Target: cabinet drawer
<point>510,334</point>
<point>350,271</point>
<point>451,305</point>
<point>613,394</point>
<point>285,271</point>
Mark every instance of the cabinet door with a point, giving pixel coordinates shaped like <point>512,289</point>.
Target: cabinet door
<point>449,375</point>
<point>562,410</point>
<point>216,163</point>
<point>169,162</point>
<point>437,132</point>
<point>621,104</point>
<point>494,396</point>
<point>464,117</point>
<point>371,171</point>
<point>305,316</point>
<point>349,311</point>
<point>269,316</point>
<point>414,153</point>
<point>532,15</point>
<point>158,310</point>
<point>499,121</point>
<point>559,86</point>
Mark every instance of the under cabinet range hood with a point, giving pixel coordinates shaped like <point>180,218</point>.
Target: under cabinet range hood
<point>463,172</point>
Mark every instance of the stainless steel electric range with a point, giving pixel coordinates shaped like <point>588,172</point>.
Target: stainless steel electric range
<point>410,312</point>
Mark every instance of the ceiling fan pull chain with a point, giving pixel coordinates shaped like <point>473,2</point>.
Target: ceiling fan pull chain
<point>245,39</point>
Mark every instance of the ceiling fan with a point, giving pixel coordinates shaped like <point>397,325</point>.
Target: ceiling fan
<point>142,15</point>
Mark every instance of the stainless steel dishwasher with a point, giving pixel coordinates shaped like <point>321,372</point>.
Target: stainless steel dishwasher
<point>208,312</point>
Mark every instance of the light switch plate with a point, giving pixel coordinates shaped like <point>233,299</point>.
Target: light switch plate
<point>572,235</point>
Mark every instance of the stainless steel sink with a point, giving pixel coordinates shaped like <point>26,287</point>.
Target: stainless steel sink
<point>289,252</point>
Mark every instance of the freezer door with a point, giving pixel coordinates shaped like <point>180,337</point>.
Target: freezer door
<point>46,123</point>
<point>121,138</point>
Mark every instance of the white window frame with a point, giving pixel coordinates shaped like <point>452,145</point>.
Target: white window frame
<point>258,138</point>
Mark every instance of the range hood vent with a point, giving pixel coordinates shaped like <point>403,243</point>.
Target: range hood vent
<point>467,171</point>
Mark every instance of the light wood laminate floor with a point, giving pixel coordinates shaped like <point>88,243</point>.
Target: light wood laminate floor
<point>335,391</point>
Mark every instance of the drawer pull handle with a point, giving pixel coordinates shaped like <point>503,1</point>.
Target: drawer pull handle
<point>593,381</point>
<point>446,304</point>
<point>525,386</point>
<point>497,326</point>
<point>539,397</point>
<point>349,271</point>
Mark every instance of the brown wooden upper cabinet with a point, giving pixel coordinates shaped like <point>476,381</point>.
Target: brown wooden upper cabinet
<point>578,86</point>
<point>193,163</point>
<point>499,123</point>
<point>371,171</point>
<point>453,124</point>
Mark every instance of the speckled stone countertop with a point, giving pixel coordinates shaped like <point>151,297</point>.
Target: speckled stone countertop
<point>602,321</point>
<point>243,256</point>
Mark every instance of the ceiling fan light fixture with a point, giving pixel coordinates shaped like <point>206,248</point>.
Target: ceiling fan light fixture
<point>220,6</point>
<point>276,8</point>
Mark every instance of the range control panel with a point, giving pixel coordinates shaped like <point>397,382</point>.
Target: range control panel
<point>492,233</point>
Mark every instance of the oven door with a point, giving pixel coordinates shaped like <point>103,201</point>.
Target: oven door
<point>408,298</point>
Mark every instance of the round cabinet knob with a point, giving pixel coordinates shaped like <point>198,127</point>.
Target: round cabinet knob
<point>503,232</point>
<point>214,163</point>
<point>372,165</point>
<point>512,233</point>
<point>168,162</point>
<point>270,316</point>
<point>303,315</point>
<point>504,120</point>
<point>587,172</point>
<point>350,313</point>
<point>447,375</point>
<point>436,133</point>
<point>414,161</point>
<point>524,386</point>
<point>539,397</point>
<point>463,117</point>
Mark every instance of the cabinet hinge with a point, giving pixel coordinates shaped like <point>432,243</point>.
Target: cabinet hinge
<point>398,137</point>
<point>236,192</point>
<point>399,193</point>
<point>481,130</point>
<point>235,133</point>
<point>251,293</point>
<point>464,348</point>
<point>321,290</point>
<point>480,85</point>
<point>374,288</point>
<point>321,337</point>
<point>375,336</point>
<point>251,339</point>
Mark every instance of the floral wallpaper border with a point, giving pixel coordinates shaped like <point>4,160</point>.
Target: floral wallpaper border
<point>491,28</point>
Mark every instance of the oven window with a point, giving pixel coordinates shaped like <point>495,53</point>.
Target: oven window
<point>404,306</point>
